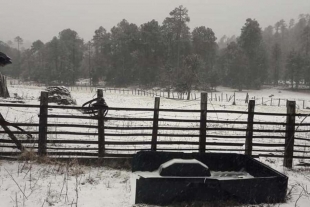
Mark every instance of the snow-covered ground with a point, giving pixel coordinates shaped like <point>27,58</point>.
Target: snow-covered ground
<point>34,184</point>
<point>31,184</point>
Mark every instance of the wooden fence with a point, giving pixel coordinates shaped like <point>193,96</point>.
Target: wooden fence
<point>235,98</point>
<point>64,131</point>
<point>214,97</point>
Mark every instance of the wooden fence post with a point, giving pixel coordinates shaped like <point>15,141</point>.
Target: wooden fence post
<point>43,123</point>
<point>101,138</point>
<point>303,104</point>
<point>203,122</point>
<point>234,103</point>
<point>249,131</point>
<point>289,134</point>
<point>155,124</point>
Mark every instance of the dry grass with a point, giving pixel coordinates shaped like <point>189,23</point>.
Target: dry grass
<point>28,155</point>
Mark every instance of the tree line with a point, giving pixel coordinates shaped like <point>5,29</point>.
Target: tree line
<point>169,55</point>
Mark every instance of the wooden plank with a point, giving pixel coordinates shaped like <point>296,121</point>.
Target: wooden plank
<point>226,112</point>
<point>225,136</point>
<point>75,148</point>
<point>226,122</point>
<point>21,141</point>
<point>43,123</point>
<point>128,135</point>
<point>20,132</point>
<point>269,155</point>
<point>226,129</point>
<point>268,137</point>
<point>20,105</point>
<point>303,124</point>
<point>155,123</point>
<point>70,116</point>
<point>272,151</point>
<point>302,139</point>
<point>269,114</point>
<point>224,150</point>
<point>178,135</point>
<point>148,149</point>
<point>179,128</point>
<point>301,131</point>
<point>290,130</point>
<point>127,149</point>
<point>268,145</point>
<point>203,122</point>
<point>21,124</point>
<point>150,128</point>
<point>224,144</point>
<point>245,122</point>
<point>177,142</point>
<point>249,131</point>
<point>128,143</point>
<point>244,130</point>
<point>149,135</point>
<point>301,145</point>
<point>10,134</point>
<point>144,119</point>
<point>118,155</point>
<point>179,120</point>
<point>152,109</point>
<point>101,133</point>
<point>14,146</point>
<point>128,128</point>
<point>73,125</point>
<point>63,141</point>
<point>95,154</point>
<point>73,133</point>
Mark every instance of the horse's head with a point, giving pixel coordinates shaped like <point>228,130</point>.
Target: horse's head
<point>4,59</point>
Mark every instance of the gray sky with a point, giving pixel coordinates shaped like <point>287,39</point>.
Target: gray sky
<point>43,19</point>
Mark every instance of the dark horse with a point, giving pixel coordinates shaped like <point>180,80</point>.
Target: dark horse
<point>4,59</point>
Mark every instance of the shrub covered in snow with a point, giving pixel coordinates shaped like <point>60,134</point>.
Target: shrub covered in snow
<point>60,95</point>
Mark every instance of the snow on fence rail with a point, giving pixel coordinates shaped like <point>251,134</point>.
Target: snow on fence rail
<point>64,131</point>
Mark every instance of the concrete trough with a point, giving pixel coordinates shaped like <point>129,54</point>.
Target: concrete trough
<point>163,178</point>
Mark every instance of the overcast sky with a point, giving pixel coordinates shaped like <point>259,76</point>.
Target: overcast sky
<point>43,19</point>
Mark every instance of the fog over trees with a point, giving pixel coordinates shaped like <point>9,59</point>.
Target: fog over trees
<point>170,55</point>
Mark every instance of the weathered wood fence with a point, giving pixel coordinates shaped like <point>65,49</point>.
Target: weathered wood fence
<point>99,136</point>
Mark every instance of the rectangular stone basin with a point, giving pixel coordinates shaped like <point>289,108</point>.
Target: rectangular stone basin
<point>233,177</point>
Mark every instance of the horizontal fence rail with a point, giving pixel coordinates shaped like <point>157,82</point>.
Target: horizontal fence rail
<point>65,131</point>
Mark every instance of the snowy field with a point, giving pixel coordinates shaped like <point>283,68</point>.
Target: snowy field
<point>33,184</point>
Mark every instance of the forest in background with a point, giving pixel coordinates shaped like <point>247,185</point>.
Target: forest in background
<point>169,55</point>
